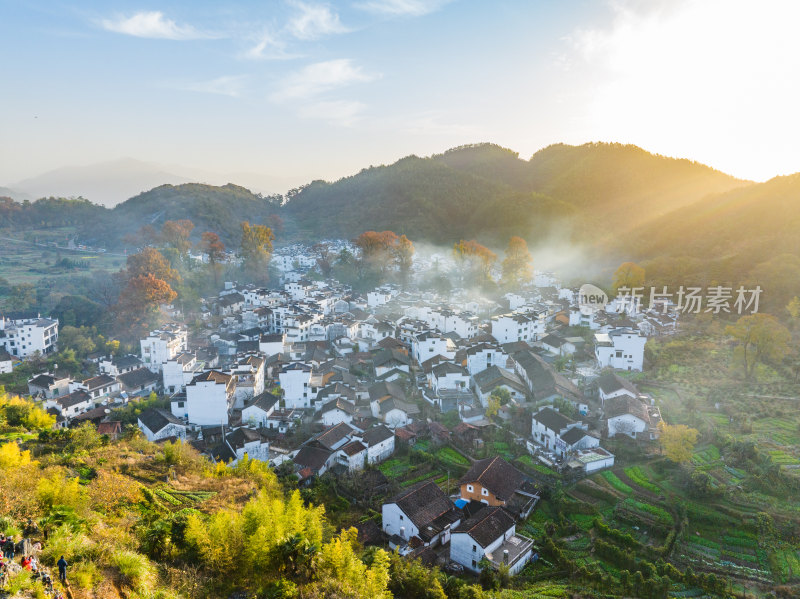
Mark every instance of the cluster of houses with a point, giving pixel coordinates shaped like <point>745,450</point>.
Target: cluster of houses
<point>476,526</point>
<point>329,380</point>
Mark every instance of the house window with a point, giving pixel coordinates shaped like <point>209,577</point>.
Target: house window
<point>484,492</point>
<point>469,489</point>
<point>401,518</point>
<point>474,549</point>
<point>474,565</point>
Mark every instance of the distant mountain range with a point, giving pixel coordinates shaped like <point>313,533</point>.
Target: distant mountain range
<point>618,200</point>
<point>112,182</point>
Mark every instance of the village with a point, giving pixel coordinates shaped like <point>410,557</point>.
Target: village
<point>504,397</point>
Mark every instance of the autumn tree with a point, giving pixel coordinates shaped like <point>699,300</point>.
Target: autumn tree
<point>377,249</point>
<point>175,234</point>
<point>517,263</point>
<point>475,260</point>
<point>761,338</point>
<point>140,300</point>
<point>677,441</point>
<point>211,245</point>
<point>151,262</point>
<point>630,275</point>
<point>256,249</point>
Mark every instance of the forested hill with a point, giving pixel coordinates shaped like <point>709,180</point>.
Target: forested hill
<point>210,208</point>
<point>602,192</point>
<point>488,192</point>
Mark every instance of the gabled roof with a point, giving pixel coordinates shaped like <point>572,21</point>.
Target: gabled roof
<point>242,435</point>
<point>313,457</point>
<point>445,368</point>
<point>348,407</point>
<point>610,383</point>
<point>386,389</point>
<point>155,419</point>
<point>552,419</point>
<point>141,377</point>
<point>488,525</point>
<point>624,404</point>
<point>574,435</point>
<point>215,376</point>
<point>376,434</point>
<point>496,475</point>
<point>353,448</point>
<point>264,401</point>
<point>74,398</point>
<point>330,437</point>
<point>494,376</point>
<point>99,381</point>
<point>423,503</point>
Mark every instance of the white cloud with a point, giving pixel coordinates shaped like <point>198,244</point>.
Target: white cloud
<point>268,46</point>
<point>708,79</point>
<point>228,85</point>
<point>320,77</point>
<point>344,113</point>
<point>401,8</point>
<point>152,24</point>
<point>314,21</point>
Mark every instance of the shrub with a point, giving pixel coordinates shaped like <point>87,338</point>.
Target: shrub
<point>136,568</point>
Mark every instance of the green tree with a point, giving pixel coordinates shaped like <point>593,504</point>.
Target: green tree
<point>761,338</point>
<point>21,297</point>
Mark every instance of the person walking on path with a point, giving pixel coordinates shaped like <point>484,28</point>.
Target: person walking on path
<point>62,569</point>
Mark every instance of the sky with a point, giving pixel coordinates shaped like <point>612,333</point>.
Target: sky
<point>296,90</point>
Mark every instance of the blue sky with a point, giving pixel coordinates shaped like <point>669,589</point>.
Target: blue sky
<point>294,90</point>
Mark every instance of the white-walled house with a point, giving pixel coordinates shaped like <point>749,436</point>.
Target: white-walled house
<point>423,511</point>
<point>159,424</point>
<point>622,349</point>
<point>631,416</point>
<point>482,356</point>
<point>163,345</point>
<point>509,328</point>
<point>295,380</point>
<point>179,371</point>
<point>490,534</point>
<point>428,344</point>
<point>72,404</point>
<point>209,398</point>
<point>259,409</point>
<point>548,427</point>
<point>447,375</point>
<point>26,336</point>
<point>612,385</point>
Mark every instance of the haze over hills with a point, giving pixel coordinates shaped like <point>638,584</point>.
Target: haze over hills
<point>106,183</point>
<point>611,196</point>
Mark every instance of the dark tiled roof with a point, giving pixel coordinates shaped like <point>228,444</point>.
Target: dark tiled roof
<point>376,435</point>
<point>610,382</point>
<point>348,407</point>
<point>487,525</point>
<point>495,376</point>
<point>624,404</point>
<point>574,435</point>
<point>312,457</point>
<point>423,503</point>
<point>334,434</point>
<point>383,389</point>
<point>141,377</point>
<point>496,475</point>
<point>156,419</point>
<point>553,420</point>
